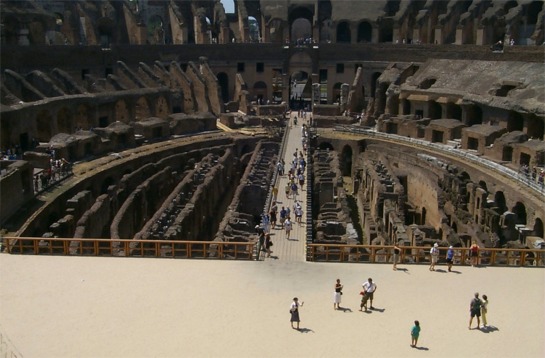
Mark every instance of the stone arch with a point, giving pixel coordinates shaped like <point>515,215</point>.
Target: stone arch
<point>106,28</point>
<point>365,32</point>
<point>474,115</point>
<point>343,32</point>
<point>336,93</point>
<point>260,90</point>
<point>454,111</point>
<point>300,22</point>
<point>275,27</point>
<point>44,126</point>
<point>535,126</point>
<point>386,31</point>
<point>155,30</point>
<point>161,107</point>
<point>435,111</point>
<point>64,121</point>
<point>538,228</point>
<point>374,79</point>
<point>121,111</point>
<point>105,184</point>
<point>500,202</point>
<point>520,211</point>
<point>325,146</point>
<point>482,184</point>
<point>515,122</point>
<point>346,161</point>
<point>223,82</point>
<point>141,109</point>
<point>81,118</point>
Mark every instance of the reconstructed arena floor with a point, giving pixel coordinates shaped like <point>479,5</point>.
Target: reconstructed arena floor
<point>124,307</point>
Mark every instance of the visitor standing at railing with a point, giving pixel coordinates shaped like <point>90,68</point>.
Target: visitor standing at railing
<point>397,251</point>
<point>474,252</point>
<point>434,253</point>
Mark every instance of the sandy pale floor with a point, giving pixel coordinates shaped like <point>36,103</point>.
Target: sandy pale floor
<point>123,307</point>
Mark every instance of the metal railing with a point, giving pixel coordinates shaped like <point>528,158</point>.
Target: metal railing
<point>421,255</point>
<point>129,248</point>
<point>462,154</point>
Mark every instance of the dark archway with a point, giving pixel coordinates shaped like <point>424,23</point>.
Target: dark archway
<point>520,211</point>
<point>346,161</point>
<point>343,32</point>
<point>223,81</point>
<point>515,122</point>
<point>325,146</point>
<point>300,20</point>
<point>499,201</point>
<point>474,115</point>
<point>105,184</point>
<point>434,110</point>
<point>365,32</point>
<point>260,91</point>
<point>538,228</point>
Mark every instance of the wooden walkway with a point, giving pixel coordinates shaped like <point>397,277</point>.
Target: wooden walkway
<point>292,249</point>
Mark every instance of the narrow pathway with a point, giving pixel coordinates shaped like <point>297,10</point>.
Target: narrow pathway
<point>292,249</point>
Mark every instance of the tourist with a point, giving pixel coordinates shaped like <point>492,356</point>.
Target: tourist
<point>450,258</point>
<point>415,332</point>
<point>272,215</point>
<point>288,190</point>
<point>369,289</point>
<point>337,295</point>
<point>474,253</point>
<point>397,251</point>
<point>301,178</point>
<point>298,212</point>
<point>287,227</point>
<point>294,190</point>
<point>475,310</point>
<point>434,252</point>
<point>294,311</point>
<point>283,215</point>
<point>484,309</point>
<point>268,244</point>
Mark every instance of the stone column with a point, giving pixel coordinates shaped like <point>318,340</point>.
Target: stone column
<point>481,37</point>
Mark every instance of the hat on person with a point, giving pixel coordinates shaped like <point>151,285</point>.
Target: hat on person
<point>436,244</point>
<point>450,247</point>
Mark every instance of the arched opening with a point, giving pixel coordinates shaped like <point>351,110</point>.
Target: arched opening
<point>365,32</point>
<point>386,31</point>
<point>105,184</point>
<point>336,94</point>
<point>44,132</point>
<point>515,122</point>
<point>374,79</point>
<point>300,20</point>
<point>538,228</point>
<point>343,32</point>
<point>434,110</point>
<point>454,111</point>
<point>105,31</point>
<point>223,81</point>
<point>253,29</point>
<point>533,12</point>
<point>499,201</point>
<point>300,89</point>
<point>121,112</point>
<point>482,185</point>
<point>155,30</point>
<point>64,121</point>
<point>260,91</point>
<point>141,110</point>
<point>346,161</point>
<point>301,31</point>
<point>406,105</point>
<point>474,115</point>
<point>507,154</point>
<point>520,211</point>
<point>325,146</point>
<point>535,126</point>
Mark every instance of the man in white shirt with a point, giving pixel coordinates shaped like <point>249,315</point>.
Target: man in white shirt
<point>369,289</point>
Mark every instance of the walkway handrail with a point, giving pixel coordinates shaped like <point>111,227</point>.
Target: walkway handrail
<point>129,248</point>
<point>462,154</point>
<point>421,255</point>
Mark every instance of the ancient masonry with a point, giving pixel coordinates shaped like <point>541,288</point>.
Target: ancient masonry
<point>428,119</point>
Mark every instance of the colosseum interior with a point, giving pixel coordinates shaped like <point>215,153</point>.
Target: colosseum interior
<point>163,120</point>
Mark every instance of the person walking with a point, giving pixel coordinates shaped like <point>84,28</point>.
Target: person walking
<point>434,252</point>
<point>337,295</point>
<point>397,251</point>
<point>475,310</point>
<point>288,227</point>
<point>369,289</point>
<point>294,311</point>
<point>450,258</point>
<point>268,244</point>
<point>484,310</point>
<point>415,332</point>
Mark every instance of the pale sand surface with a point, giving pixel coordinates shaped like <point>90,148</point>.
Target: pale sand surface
<point>127,307</point>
